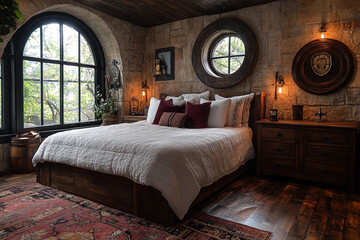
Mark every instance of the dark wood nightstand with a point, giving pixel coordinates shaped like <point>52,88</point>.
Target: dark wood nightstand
<point>131,118</point>
<point>316,151</point>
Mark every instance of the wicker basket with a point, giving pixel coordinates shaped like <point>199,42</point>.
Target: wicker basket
<point>108,119</point>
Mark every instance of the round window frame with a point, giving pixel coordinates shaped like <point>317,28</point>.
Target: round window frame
<point>208,38</point>
<point>212,48</point>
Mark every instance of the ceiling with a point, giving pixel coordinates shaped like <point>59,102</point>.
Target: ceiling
<point>148,13</point>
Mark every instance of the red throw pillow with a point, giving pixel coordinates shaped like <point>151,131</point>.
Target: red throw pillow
<point>167,106</point>
<point>198,114</point>
<point>173,119</point>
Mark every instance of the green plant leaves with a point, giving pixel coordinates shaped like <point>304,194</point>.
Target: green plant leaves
<point>9,15</point>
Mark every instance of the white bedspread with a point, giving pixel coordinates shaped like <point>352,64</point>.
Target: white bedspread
<point>178,162</point>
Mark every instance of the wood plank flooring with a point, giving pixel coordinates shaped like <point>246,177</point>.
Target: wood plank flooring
<point>288,210</point>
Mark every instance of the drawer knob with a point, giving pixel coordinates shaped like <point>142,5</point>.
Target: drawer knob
<point>278,149</point>
<point>324,170</point>
<point>325,138</point>
<point>325,154</point>
<point>279,134</point>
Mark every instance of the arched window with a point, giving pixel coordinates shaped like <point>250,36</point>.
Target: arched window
<point>61,67</point>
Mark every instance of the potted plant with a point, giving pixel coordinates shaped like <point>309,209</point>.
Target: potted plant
<point>105,108</point>
<point>9,14</point>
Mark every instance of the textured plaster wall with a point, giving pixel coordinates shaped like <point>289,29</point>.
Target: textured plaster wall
<point>120,40</point>
<point>281,28</point>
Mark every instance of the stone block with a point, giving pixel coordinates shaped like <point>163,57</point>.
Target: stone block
<point>353,96</point>
<point>179,41</point>
<point>178,53</point>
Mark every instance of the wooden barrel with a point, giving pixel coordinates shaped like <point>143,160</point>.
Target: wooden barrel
<point>23,148</point>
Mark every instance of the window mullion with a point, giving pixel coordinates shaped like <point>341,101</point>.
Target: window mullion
<point>61,75</point>
<point>229,55</point>
<point>41,79</point>
<point>79,84</point>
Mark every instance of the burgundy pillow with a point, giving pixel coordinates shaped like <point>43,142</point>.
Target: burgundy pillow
<point>198,114</point>
<point>167,106</point>
<point>173,119</point>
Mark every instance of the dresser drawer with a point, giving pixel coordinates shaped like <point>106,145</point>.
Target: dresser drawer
<point>330,171</point>
<point>327,137</point>
<point>332,155</point>
<point>278,164</point>
<point>278,148</point>
<point>283,134</point>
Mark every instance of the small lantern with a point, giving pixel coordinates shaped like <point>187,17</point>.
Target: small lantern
<point>273,114</point>
<point>134,106</point>
<point>157,67</point>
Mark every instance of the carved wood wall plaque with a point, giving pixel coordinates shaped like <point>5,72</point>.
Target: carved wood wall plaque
<point>323,66</point>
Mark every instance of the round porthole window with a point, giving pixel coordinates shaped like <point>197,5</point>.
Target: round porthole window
<point>224,53</point>
<point>227,55</point>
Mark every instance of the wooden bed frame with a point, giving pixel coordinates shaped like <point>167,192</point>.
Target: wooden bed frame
<point>124,194</point>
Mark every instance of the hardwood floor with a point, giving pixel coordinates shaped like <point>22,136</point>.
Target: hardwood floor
<point>289,210</point>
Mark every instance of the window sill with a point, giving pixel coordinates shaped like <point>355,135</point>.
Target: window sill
<point>46,133</point>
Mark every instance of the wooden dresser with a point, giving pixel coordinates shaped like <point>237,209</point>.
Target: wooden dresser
<point>316,151</point>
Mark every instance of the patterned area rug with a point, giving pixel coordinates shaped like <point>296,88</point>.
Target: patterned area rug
<point>34,211</point>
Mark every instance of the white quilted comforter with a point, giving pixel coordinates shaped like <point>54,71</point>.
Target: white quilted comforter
<point>178,162</point>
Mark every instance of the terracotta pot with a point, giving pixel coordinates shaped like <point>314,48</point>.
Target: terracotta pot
<point>108,119</point>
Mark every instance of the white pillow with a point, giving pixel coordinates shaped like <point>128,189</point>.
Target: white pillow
<point>239,110</point>
<point>180,98</point>
<point>179,102</point>
<point>218,112</point>
<point>195,97</point>
<point>154,105</point>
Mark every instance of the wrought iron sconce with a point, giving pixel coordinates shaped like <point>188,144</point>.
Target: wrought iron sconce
<point>144,88</point>
<point>322,30</point>
<point>279,83</point>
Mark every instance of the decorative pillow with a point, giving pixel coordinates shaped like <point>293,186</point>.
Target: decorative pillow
<point>179,98</point>
<point>195,97</point>
<point>179,102</point>
<point>167,106</point>
<point>239,110</point>
<point>198,114</point>
<point>173,119</point>
<point>218,112</point>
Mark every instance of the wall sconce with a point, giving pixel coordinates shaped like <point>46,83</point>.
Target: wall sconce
<point>279,83</point>
<point>144,88</point>
<point>322,30</point>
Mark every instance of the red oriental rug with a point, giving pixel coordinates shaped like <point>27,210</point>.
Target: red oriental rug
<point>34,211</point>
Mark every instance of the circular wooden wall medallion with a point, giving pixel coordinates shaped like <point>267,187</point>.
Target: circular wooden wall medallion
<point>323,66</point>
<point>204,44</point>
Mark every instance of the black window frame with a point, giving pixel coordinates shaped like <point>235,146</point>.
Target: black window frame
<point>20,39</point>
<point>229,56</point>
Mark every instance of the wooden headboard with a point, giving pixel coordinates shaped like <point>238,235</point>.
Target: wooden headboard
<point>257,109</point>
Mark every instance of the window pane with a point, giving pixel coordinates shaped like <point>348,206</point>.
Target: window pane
<point>32,46</point>
<point>71,94</point>
<point>71,44</point>
<point>32,93</point>
<point>237,46</point>
<point>86,53</point>
<point>221,49</point>
<point>87,94</point>
<point>221,65</point>
<point>51,41</point>
<point>51,93</point>
<point>235,63</point>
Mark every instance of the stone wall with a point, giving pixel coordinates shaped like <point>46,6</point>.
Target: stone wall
<point>120,40</point>
<point>281,28</point>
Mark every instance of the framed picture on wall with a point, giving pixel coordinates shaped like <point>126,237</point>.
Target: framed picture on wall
<point>164,64</point>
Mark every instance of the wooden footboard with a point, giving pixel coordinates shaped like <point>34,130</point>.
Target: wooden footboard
<point>120,192</point>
